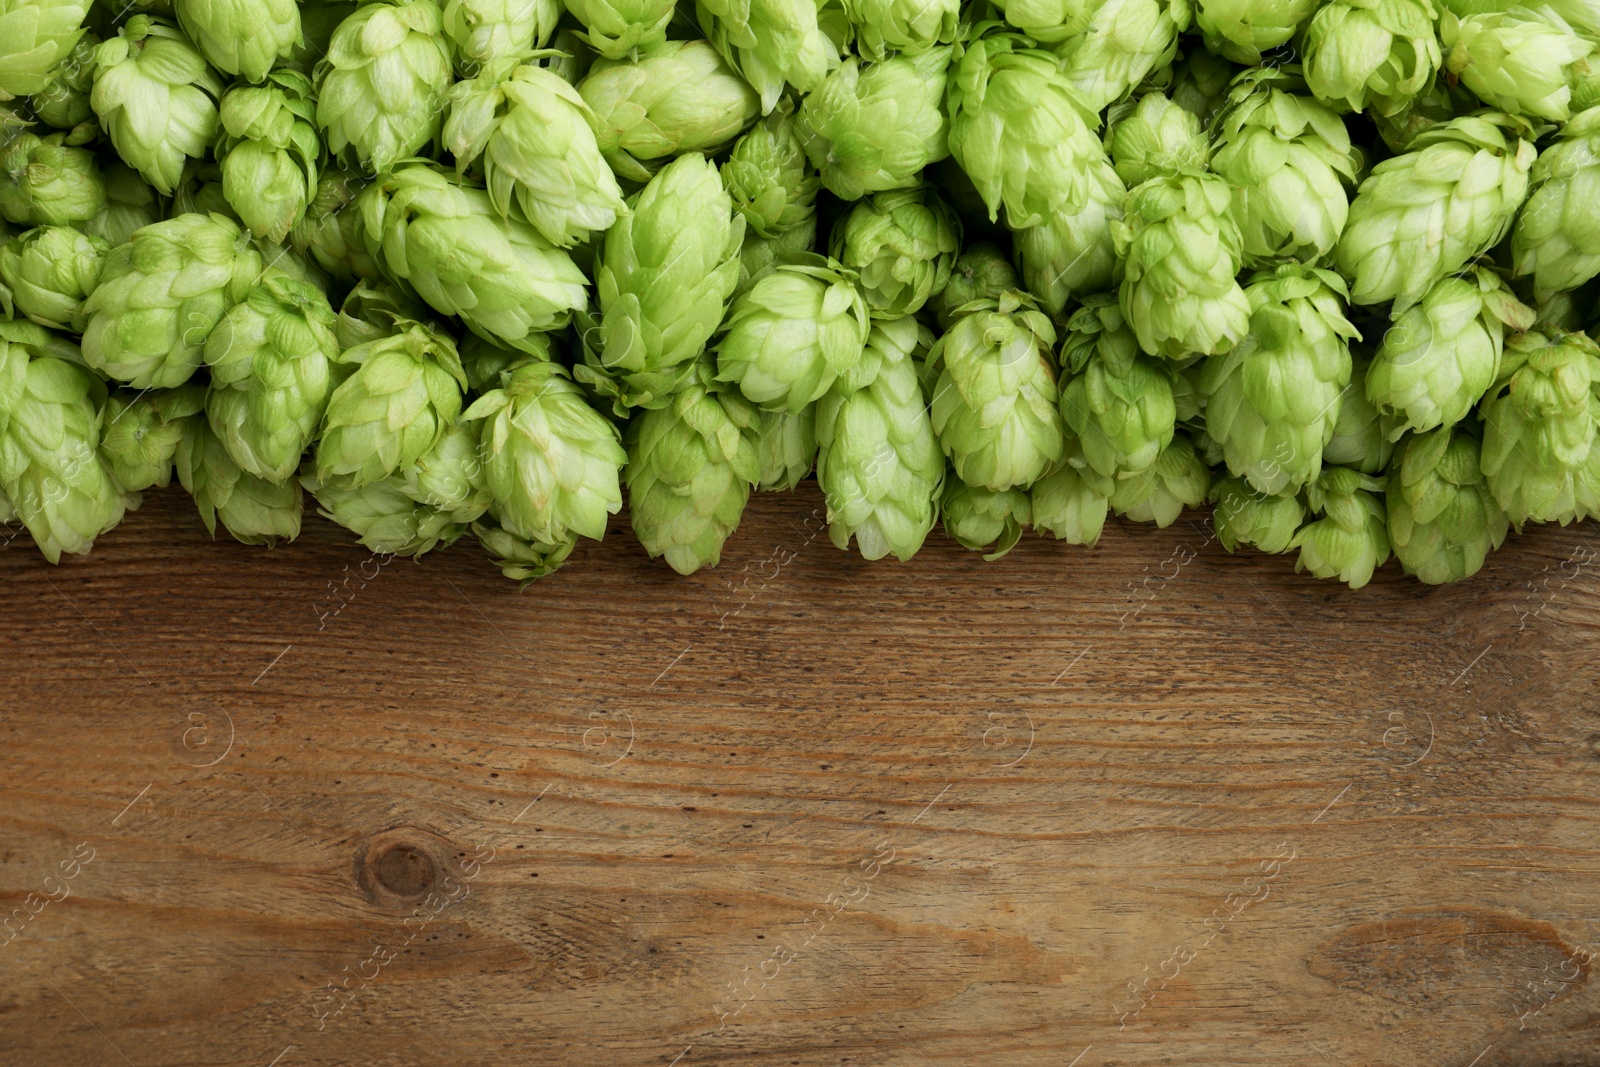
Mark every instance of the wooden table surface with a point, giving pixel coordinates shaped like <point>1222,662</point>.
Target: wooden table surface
<point>1149,803</point>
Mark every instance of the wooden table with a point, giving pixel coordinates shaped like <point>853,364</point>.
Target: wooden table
<point>1150,803</point>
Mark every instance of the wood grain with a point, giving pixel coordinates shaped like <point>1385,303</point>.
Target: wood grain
<point>1149,803</point>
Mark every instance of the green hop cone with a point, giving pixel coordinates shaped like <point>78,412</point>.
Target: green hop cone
<point>1443,352</point>
<point>156,99</point>
<point>1243,29</point>
<point>1351,539</point>
<point>504,280</point>
<point>1290,162</point>
<point>404,394</point>
<point>1071,502</point>
<point>64,100</point>
<point>38,35</point>
<point>1557,235</point>
<point>1046,20</point>
<point>759,255</point>
<point>1118,401</point>
<point>1199,82</point>
<point>691,466</point>
<point>1182,248</point>
<point>767,175</point>
<point>786,446</point>
<point>245,38</point>
<point>980,272</point>
<point>159,296</point>
<point>270,153</point>
<point>271,362</point>
<point>535,136</point>
<point>874,126</point>
<point>1178,479</point>
<point>380,88</point>
<point>1377,53</point>
<point>1242,516</point>
<point>51,470</point>
<point>130,205</point>
<point>374,310</point>
<point>1273,402</point>
<point>1124,42</point>
<point>1443,521</point>
<point>995,402</point>
<point>978,518</point>
<point>1363,437</point>
<point>1422,216</point>
<point>618,28</point>
<point>1070,254</point>
<point>1152,137</point>
<point>901,244</point>
<point>1515,63</point>
<point>1539,424</point>
<point>664,274</point>
<point>769,42</point>
<point>522,559</point>
<point>254,510</point>
<point>496,34</point>
<point>331,230</point>
<point>793,333</point>
<point>1440,102</point>
<point>909,27</point>
<point>141,432</point>
<point>673,98</point>
<point>551,461</point>
<point>46,183</point>
<point>1020,131</point>
<point>879,464</point>
<point>49,271</point>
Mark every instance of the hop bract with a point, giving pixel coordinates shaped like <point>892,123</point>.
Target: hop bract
<point>1178,479</point>
<point>522,559</point>
<point>1070,502</point>
<point>241,37</point>
<point>156,98</point>
<point>786,445</point>
<point>1443,521</point>
<point>617,28</point>
<point>1363,437</point>
<point>331,229</point>
<point>1155,137</point>
<point>901,245</point>
<point>1557,235</point>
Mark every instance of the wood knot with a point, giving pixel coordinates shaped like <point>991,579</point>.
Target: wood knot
<point>401,865</point>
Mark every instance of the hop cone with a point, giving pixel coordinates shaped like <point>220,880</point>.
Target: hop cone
<point>1117,401</point>
<point>874,126</point>
<point>58,483</point>
<point>141,433</point>
<point>978,518</point>
<point>1443,352</point>
<point>1440,102</point>
<point>270,153</point>
<point>1199,82</point>
<point>331,229</point>
<point>768,176</point>
<point>244,38</point>
<point>535,136</point>
<point>909,27</point>
<point>1289,160</point>
<point>786,446</point>
<point>980,272</point>
<point>497,33</point>
<point>1069,255</point>
<point>1125,41</point>
<point>792,334</point>
<point>159,296</point>
<point>994,406</point>
<point>522,559</point>
<point>130,205</point>
<point>618,28</point>
<point>1423,215</point>
<point>1350,540</point>
<point>1515,63</point>
<point>1539,424</point>
<point>404,394</point>
<point>1557,235</point>
<point>252,509</point>
<point>1021,132</point>
<point>1273,402</point>
<point>879,463</point>
<point>690,469</point>
<point>1443,521</point>
<point>1153,138</point>
<point>503,279</point>
<point>49,271</point>
<point>759,255</point>
<point>156,98</point>
<point>1242,29</point>
<point>769,42</point>
<point>550,460</point>
<point>676,97</point>
<point>271,374</point>
<point>1070,502</point>
<point>901,244</point>
<point>664,275</point>
<point>37,36</point>
<point>1363,437</point>
<point>1242,516</point>
<point>1380,53</point>
<point>1182,250</point>
<point>1178,479</point>
<point>380,87</point>
<point>1046,20</point>
<point>64,100</point>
